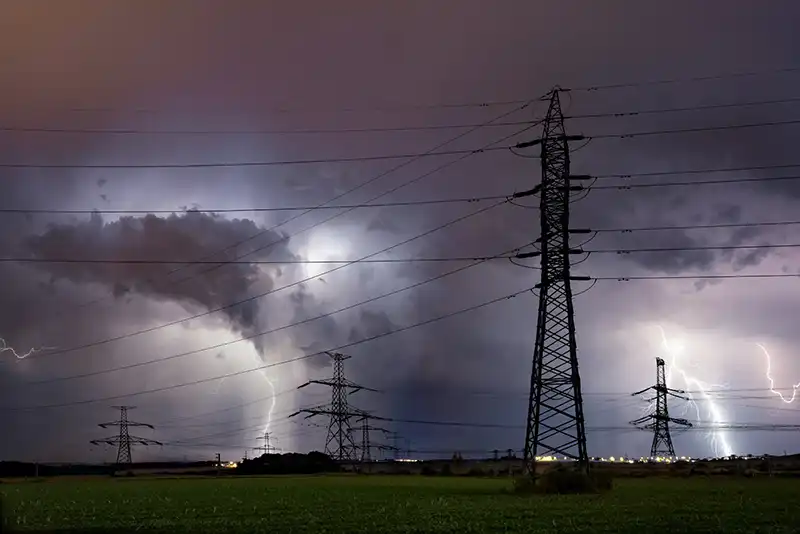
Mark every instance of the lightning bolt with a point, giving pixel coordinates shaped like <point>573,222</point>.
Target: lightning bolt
<point>718,440</point>
<point>271,404</point>
<point>795,387</point>
<point>271,385</point>
<point>5,347</point>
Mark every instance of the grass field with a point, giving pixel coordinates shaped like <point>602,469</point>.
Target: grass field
<point>399,504</point>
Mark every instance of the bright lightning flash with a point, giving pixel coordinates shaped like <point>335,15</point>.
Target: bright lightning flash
<point>795,387</point>
<point>719,441</point>
<point>4,347</point>
<point>271,404</point>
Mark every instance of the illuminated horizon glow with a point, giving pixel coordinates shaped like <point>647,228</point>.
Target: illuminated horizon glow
<point>717,438</point>
<point>795,387</point>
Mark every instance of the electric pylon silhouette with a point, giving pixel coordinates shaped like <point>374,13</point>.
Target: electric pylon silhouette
<point>339,443</point>
<point>395,448</point>
<point>266,448</point>
<point>124,440</point>
<point>660,419</point>
<point>366,442</point>
<point>555,408</point>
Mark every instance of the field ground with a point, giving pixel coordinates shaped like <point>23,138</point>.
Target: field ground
<point>349,503</point>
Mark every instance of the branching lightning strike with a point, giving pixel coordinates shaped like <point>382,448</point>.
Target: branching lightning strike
<point>795,387</point>
<point>718,440</point>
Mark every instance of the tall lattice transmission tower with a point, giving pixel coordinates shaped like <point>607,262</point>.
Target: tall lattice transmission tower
<point>658,421</point>
<point>339,443</point>
<point>124,440</point>
<point>266,448</point>
<point>555,408</point>
<point>366,443</point>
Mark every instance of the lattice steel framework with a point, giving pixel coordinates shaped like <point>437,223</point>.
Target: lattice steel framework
<point>266,448</point>
<point>660,419</point>
<point>339,443</point>
<point>555,409</point>
<point>366,443</point>
<point>124,440</point>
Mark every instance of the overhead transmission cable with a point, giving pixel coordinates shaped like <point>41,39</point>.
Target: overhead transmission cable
<point>214,165</point>
<point>343,109</point>
<point>299,131</point>
<point>643,133</point>
<point>695,227</point>
<point>372,179</point>
<point>625,187</point>
<point>378,129</point>
<point>462,200</point>
<point>415,260</point>
<point>270,331</point>
<point>691,79</point>
<point>260,295</point>
<point>273,364</point>
<point>701,107</point>
<point>697,171</point>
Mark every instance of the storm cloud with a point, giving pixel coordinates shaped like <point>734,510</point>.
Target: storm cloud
<point>191,236</point>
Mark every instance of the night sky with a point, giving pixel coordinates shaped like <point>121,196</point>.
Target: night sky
<point>145,65</point>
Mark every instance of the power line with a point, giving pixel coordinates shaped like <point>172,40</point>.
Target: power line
<point>135,131</point>
<point>698,171</point>
<point>346,192</point>
<point>667,81</point>
<point>392,260</point>
<point>696,227</point>
<point>378,129</point>
<point>621,396</point>
<point>271,291</point>
<point>692,130</point>
<point>689,249</point>
<point>344,109</point>
<point>694,277</point>
<point>273,364</point>
<point>264,333</point>
<point>721,395</point>
<point>624,187</point>
<point>463,200</point>
<point>653,111</point>
<point>350,159</point>
<point>243,262</point>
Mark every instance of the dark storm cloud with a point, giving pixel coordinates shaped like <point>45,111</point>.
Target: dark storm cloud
<point>674,261</point>
<point>317,334</point>
<point>184,237</point>
<point>371,323</point>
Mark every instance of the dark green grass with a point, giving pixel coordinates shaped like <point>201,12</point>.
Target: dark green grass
<point>401,504</point>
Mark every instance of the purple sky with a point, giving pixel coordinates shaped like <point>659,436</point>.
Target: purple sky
<point>147,65</point>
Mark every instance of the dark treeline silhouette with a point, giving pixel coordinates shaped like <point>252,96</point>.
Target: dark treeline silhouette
<point>289,463</point>
<point>24,469</point>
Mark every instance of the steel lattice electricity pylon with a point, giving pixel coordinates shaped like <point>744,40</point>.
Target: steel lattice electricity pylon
<point>366,443</point>
<point>555,408</point>
<point>124,440</point>
<point>339,443</point>
<point>266,448</point>
<point>659,420</point>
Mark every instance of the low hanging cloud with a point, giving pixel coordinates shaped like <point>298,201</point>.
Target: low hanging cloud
<point>184,238</point>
